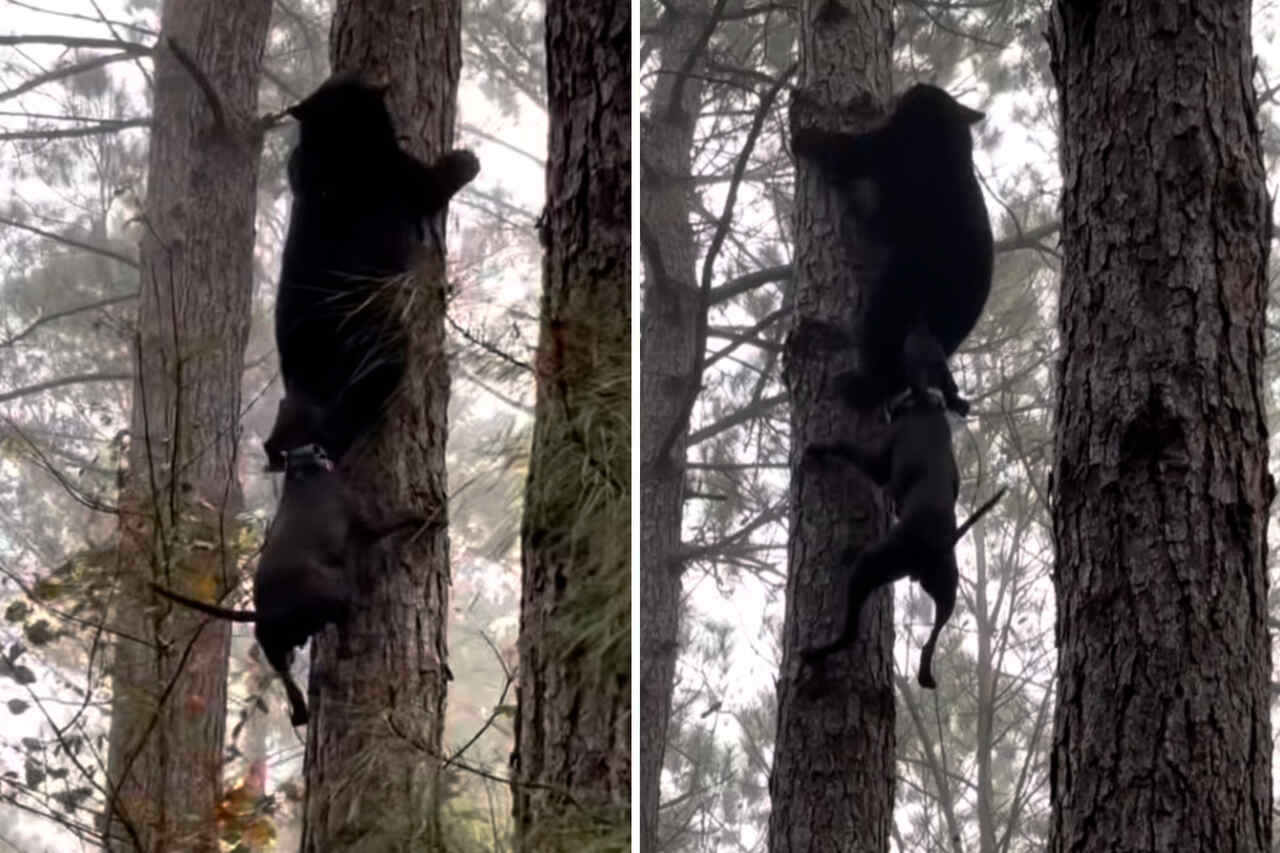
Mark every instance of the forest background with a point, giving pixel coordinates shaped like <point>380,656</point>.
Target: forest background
<point>973,756</point>
<point>72,171</point>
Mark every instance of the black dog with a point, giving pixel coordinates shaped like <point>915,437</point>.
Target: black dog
<point>914,460</point>
<point>361,209</point>
<point>303,583</point>
<point>929,220</point>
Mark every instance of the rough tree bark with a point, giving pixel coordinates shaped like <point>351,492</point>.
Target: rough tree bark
<point>669,343</point>
<point>571,766</point>
<point>1160,488</point>
<point>832,782</point>
<point>377,712</point>
<point>180,494</point>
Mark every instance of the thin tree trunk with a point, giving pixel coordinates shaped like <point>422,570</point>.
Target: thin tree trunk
<point>181,494</point>
<point>377,722</point>
<point>669,343</point>
<point>572,762</point>
<point>832,782</point>
<point>1160,490</point>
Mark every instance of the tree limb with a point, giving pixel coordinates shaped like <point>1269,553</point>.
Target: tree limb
<point>72,41</point>
<point>67,71</point>
<point>74,379</point>
<point>71,241</point>
<point>746,413</point>
<point>102,126</point>
<point>66,312</point>
<point>202,80</point>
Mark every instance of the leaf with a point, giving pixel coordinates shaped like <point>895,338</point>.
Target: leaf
<point>260,834</point>
<point>17,706</point>
<point>70,800</point>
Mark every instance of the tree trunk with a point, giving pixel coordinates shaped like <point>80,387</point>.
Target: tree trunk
<point>377,710</point>
<point>669,342</point>
<point>180,495</point>
<point>1160,489</point>
<point>571,766</point>
<point>832,782</point>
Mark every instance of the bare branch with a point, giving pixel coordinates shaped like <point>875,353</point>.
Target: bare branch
<point>202,80</point>
<point>74,379</point>
<point>67,312</point>
<point>750,281</point>
<point>67,71</point>
<point>741,416</point>
<point>72,242</point>
<point>695,53</point>
<point>102,126</point>
<point>710,549</point>
<point>713,252</point>
<point>123,24</point>
<point>475,131</point>
<point>73,42</point>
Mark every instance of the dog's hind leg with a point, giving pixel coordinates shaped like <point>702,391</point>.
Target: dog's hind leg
<point>882,563</point>
<point>942,589</point>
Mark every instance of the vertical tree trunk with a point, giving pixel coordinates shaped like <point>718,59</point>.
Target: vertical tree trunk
<point>180,496</point>
<point>832,782</point>
<point>668,357</point>
<point>374,741</point>
<point>1160,490</point>
<point>571,766</point>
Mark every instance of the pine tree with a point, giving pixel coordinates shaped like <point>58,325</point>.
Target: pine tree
<point>571,767</point>
<point>1160,488</point>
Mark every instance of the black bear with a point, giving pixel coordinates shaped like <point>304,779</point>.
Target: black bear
<point>361,209</point>
<point>303,578</point>
<point>930,223</point>
<point>913,459</point>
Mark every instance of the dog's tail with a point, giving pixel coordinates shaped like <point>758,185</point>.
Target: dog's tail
<point>979,513</point>
<point>211,609</point>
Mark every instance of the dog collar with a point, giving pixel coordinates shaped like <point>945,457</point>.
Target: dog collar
<point>307,456</point>
<point>908,399</point>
